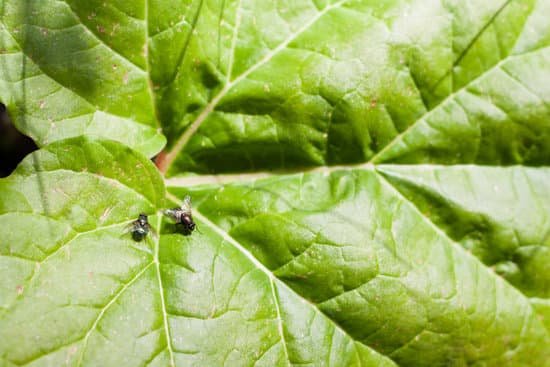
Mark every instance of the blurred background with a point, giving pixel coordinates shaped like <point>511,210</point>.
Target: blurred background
<point>14,146</point>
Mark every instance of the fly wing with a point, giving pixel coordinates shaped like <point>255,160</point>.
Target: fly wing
<point>128,228</point>
<point>172,213</point>
<point>186,206</point>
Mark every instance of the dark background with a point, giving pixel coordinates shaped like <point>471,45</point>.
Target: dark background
<point>14,146</point>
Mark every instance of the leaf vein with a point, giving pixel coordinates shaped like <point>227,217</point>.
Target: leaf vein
<point>259,265</point>
<point>279,319</point>
<point>106,307</point>
<point>499,280</point>
<point>194,126</point>
<point>90,105</point>
<point>376,158</point>
<point>96,37</point>
<point>162,296</point>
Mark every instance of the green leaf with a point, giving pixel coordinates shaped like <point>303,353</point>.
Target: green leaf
<point>369,182</point>
<point>384,269</point>
<point>69,68</point>
<point>77,289</point>
<point>314,83</point>
<point>483,210</point>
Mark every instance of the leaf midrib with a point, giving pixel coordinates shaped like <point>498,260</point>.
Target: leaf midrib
<point>116,296</point>
<point>93,107</point>
<point>99,39</point>
<point>161,294</point>
<point>182,141</point>
<point>271,277</point>
<point>61,246</point>
<point>189,132</point>
<point>497,278</point>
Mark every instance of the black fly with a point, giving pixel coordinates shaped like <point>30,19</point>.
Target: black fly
<point>140,228</point>
<point>183,216</point>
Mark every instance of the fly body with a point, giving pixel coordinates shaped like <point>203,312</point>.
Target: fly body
<point>140,228</point>
<point>183,216</point>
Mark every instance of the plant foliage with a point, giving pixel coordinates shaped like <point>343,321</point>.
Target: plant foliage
<point>370,182</point>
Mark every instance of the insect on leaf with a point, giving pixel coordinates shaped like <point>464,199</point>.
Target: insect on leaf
<point>370,180</point>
